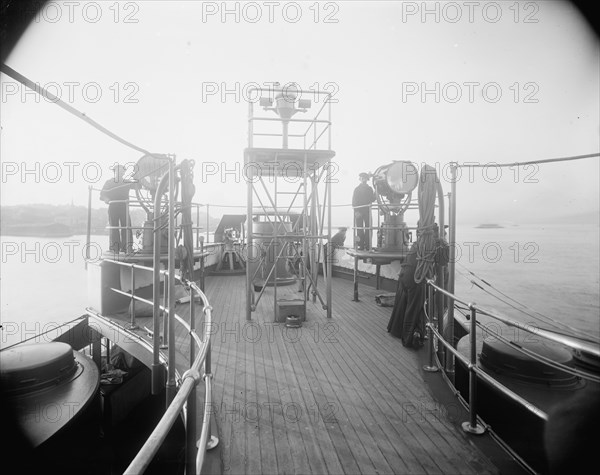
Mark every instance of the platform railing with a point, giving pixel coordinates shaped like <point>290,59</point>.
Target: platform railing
<point>472,426</point>
<point>186,394</point>
<point>327,102</point>
<point>309,140</point>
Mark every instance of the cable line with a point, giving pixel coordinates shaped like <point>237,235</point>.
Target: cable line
<point>80,115</point>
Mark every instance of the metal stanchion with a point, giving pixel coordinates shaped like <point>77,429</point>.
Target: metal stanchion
<point>431,367</point>
<point>191,422</point>
<point>471,426</point>
<point>132,323</point>
<point>171,379</point>
<point>165,331</point>
<point>355,279</point>
<point>214,440</point>
<point>202,263</point>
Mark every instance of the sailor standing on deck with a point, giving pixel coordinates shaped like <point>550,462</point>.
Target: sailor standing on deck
<point>115,192</point>
<point>361,202</point>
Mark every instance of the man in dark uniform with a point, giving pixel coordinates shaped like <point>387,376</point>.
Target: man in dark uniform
<point>115,192</point>
<point>361,202</point>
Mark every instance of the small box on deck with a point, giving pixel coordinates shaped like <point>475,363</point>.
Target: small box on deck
<point>289,307</point>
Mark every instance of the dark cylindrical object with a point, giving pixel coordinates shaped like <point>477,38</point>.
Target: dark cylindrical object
<point>270,248</point>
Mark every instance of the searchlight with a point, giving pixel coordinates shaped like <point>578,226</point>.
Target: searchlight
<point>393,184</point>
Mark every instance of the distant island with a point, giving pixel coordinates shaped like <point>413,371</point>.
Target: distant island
<point>44,220</point>
<point>489,226</point>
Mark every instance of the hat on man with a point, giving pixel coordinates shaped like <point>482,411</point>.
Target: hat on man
<point>363,175</point>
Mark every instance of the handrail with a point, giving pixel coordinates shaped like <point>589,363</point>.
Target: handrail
<point>203,444</point>
<point>549,335</point>
<point>187,389</point>
<point>472,426</point>
<point>194,335</point>
<point>514,396</point>
<point>189,380</point>
<point>544,359</point>
<point>153,443</point>
<point>116,327</point>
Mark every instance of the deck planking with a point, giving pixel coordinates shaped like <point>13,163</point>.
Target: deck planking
<point>335,396</point>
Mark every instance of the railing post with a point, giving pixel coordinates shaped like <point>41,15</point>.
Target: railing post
<point>328,187</point>
<point>355,279</point>
<point>132,324</point>
<point>329,124</point>
<point>128,230</point>
<point>449,330</point>
<point>202,263</point>
<point>165,330</point>
<point>191,429</point>
<point>431,367</point>
<point>214,440</point>
<point>250,253</point>
<point>207,223</point>
<point>171,383</point>
<point>471,426</point>
<point>197,225</point>
<point>157,367</point>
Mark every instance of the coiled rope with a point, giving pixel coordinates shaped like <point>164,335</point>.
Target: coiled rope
<point>426,227</point>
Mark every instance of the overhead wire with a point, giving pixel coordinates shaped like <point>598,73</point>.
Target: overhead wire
<point>70,109</point>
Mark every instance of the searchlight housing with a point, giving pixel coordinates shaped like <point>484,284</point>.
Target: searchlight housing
<point>394,184</point>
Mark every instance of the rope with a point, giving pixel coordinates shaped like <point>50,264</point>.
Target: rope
<point>426,251</point>
<point>80,115</point>
<point>426,236</point>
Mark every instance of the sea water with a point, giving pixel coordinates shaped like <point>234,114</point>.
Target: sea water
<point>552,269</point>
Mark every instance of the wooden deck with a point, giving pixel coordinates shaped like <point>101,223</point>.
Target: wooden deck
<point>334,396</point>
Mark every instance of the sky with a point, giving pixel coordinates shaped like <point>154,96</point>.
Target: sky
<point>435,82</point>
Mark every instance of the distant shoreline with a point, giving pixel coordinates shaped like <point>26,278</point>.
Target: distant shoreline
<point>37,230</point>
<point>489,226</point>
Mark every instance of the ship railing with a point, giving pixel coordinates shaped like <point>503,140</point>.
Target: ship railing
<point>470,363</point>
<point>375,227</point>
<point>186,394</point>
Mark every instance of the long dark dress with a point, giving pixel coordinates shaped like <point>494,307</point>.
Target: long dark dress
<point>408,317</point>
